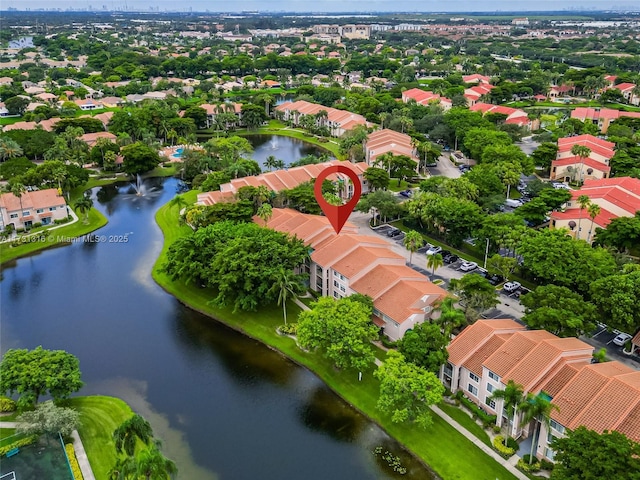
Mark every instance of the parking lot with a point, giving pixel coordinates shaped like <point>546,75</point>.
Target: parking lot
<point>602,337</point>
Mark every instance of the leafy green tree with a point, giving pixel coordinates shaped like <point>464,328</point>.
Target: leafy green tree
<point>538,409</point>
<point>407,390</point>
<point>382,203</point>
<point>252,116</point>
<point>412,242</point>
<point>15,167</point>
<point>16,105</point>
<point>239,260</point>
<point>342,329</point>
<point>476,293</point>
<point>587,455</point>
<point>153,465</point>
<point>503,266</point>
<point>426,346</point>
<point>129,432</point>
<point>139,158</point>
<point>545,154</point>
<point>553,257</point>
<point>48,419</point>
<point>512,397</point>
<point>214,180</point>
<point>33,373</point>
<point>617,298</point>
<point>450,318</point>
<point>582,153</point>
<point>198,115</point>
<point>476,140</point>
<point>623,233</point>
<point>287,284</point>
<point>34,143</point>
<point>377,178</point>
<point>84,205</point>
<point>559,311</point>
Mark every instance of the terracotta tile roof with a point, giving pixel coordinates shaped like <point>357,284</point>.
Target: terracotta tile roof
<point>474,362</point>
<point>32,200</point>
<point>475,335</point>
<point>587,162</point>
<point>628,200</point>
<point>597,145</point>
<point>601,220</point>
<point>363,258</point>
<point>558,378</point>
<point>383,277</point>
<point>340,246</point>
<point>406,297</point>
<point>514,350</point>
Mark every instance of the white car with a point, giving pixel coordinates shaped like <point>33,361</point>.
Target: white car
<point>511,287</point>
<point>468,266</point>
<point>433,250</point>
<point>621,339</point>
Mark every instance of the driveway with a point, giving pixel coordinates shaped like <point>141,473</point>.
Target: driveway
<point>508,307</point>
<point>445,168</point>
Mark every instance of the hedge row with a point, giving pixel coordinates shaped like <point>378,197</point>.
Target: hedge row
<point>73,461</point>
<point>499,445</point>
<point>23,442</point>
<point>486,419</point>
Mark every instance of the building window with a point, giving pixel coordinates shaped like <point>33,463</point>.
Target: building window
<point>556,426</point>
<point>490,403</point>
<point>472,389</point>
<point>474,377</point>
<point>13,215</point>
<point>52,209</point>
<point>335,283</point>
<point>40,210</point>
<point>493,376</point>
<point>549,453</point>
<point>26,213</point>
<point>490,388</point>
<point>342,289</point>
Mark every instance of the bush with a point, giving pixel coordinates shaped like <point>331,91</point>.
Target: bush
<point>546,465</point>
<point>511,443</point>
<point>23,442</point>
<point>486,419</point>
<point>73,462</point>
<point>499,445</point>
<point>37,224</point>
<point>7,405</point>
<point>386,342</point>
<point>288,329</point>
<point>496,429</point>
<point>525,467</point>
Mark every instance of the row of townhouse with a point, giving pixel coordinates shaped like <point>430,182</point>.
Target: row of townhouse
<point>628,90</point>
<point>341,265</point>
<point>337,121</point>
<point>515,116</point>
<point>423,97</point>
<point>617,197</point>
<point>569,167</point>
<point>40,206</point>
<point>350,31</point>
<point>602,117</point>
<point>287,179</point>
<point>50,123</point>
<point>388,141</point>
<point>475,94</point>
<point>214,110</point>
<point>485,356</point>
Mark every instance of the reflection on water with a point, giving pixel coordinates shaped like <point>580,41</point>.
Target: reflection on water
<point>224,405</point>
<point>286,149</point>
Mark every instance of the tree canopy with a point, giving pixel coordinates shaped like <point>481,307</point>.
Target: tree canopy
<point>426,346</point>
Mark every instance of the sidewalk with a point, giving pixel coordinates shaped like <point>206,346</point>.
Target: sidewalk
<point>81,455</point>
<point>508,464</point>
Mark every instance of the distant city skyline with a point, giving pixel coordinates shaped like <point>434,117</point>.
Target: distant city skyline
<point>324,5</point>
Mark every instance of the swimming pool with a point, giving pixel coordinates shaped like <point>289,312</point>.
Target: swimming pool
<point>178,153</point>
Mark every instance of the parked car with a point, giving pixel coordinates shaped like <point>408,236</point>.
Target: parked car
<point>495,279</point>
<point>468,266</point>
<point>393,232</point>
<point>513,203</point>
<point>432,164</point>
<point>444,253</point>
<point>451,258</point>
<point>621,339</point>
<point>406,193</point>
<point>511,287</point>
<point>434,249</point>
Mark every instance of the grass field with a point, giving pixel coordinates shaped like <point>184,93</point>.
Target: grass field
<point>99,417</point>
<point>449,453</point>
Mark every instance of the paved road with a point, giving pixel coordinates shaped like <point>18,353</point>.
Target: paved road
<point>507,308</point>
<point>445,168</point>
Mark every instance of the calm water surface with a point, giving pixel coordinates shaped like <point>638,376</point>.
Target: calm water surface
<point>224,405</point>
<point>286,149</point>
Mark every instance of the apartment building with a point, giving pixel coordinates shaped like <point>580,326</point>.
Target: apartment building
<point>602,117</point>
<point>424,97</point>
<point>350,31</point>
<point>388,141</point>
<point>485,356</point>
<point>617,197</point>
<point>337,121</point>
<point>341,265</point>
<point>570,167</point>
<point>515,116</point>
<point>40,206</point>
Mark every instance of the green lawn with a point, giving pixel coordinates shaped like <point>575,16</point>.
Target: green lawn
<point>466,421</point>
<point>8,436</point>
<point>99,417</point>
<point>450,454</point>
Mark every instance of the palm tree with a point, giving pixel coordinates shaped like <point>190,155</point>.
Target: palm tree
<point>584,201</point>
<point>510,177</point>
<point>131,430</point>
<point>434,262</point>
<point>383,118</point>
<point>9,149</point>
<point>593,210</point>
<point>152,465</point>
<point>270,162</point>
<point>83,205</point>
<point>18,189</point>
<point>124,469</point>
<point>287,284</point>
<point>538,409</point>
<point>582,152</point>
<point>265,212</point>
<point>512,396</point>
<point>450,316</point>
<point>412,242</point>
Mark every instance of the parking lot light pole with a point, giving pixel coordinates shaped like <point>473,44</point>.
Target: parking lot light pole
<point>486,254</point>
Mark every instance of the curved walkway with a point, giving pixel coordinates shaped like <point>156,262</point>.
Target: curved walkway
<point>81,455</point>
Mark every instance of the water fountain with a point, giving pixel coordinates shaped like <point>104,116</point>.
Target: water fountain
<point>274,143</point>
<point>139,186</point>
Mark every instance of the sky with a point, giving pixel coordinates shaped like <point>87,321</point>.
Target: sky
<point>324,5</point>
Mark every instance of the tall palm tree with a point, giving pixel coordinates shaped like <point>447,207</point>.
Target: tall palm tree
<point>581,152</point>
<point>594,210</point>
<point>287,284</point>
<point>270,162</point>
<point>584,201</point>
<point>265,212</point>
<point>129,431</point>
<point>18,189</point>
<point>434,262</point>
<point>153,465</point>
<point>450,316</point>
<point>537,409</point>
<point>510,177</point>
<point>412,242</point>
<point>512,396</point>
<point>83,205</point>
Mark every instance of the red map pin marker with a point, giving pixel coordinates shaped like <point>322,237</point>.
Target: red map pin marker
<point>337,215</point>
